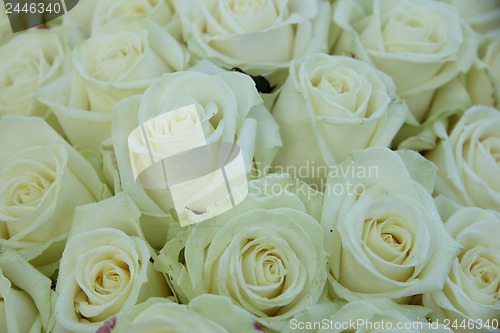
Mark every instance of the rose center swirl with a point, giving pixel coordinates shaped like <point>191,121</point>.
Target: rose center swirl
<point>114,59</point>
<point>483,270</point>
<point>110,276</point>
<point>492,146</point>
<point>263,268</point>
<point>388,239</point>
<point>29,189</point>
<point>22,71</point>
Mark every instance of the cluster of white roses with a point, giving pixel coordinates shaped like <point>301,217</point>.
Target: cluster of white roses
<point>370,133</point>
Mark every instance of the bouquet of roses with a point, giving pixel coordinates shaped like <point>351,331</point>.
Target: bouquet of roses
<point>251,166</point>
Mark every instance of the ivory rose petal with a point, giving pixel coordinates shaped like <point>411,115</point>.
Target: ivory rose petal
<point>482,15</point>
<point>383,315</point>
<point>205,313</point>
<point>26,300</point>
<point>86,19</point>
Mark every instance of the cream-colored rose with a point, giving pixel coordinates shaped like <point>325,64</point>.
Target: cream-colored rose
<point>42,180</point>
<point>470,293</point>
<point>229,109</point>
<point>330,106</point>
<point>91,15</point>
<point>481,83</point>
<point>257,36</point>
<point>467,155</point>
<point>490,55</point>
<point>478,86</point>
<point>421,45</point>
<point>482,15</point>
<point>106,267</point>
<point>120,60</point>
<point>26,300</point>
<point>205,313</point>
<point>383,232</point>
<point>266,254</point>
<point>29,61</point>
<point>382,315</point>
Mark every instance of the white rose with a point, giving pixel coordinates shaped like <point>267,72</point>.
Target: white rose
<point>382,315</point>
<point>122,60</point>
<point>205,313</point>
<point>330,106</point>
<point>478,86</point>
<point>29,61</point>
<point>106,267</point>
<point>422,45</point>
<point>256,36</point>
<point>482,15</point>
<point>490,55</point>
<point>470,293</point>
<point>383,232</point>
<point>468,161</point>
<point>26,300</point>
<point>229,109</point>
<point>266,254</point>
<point>91,15</point>
<point>42,180</point>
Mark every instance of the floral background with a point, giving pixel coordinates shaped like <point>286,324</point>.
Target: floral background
<point>370,132</point>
